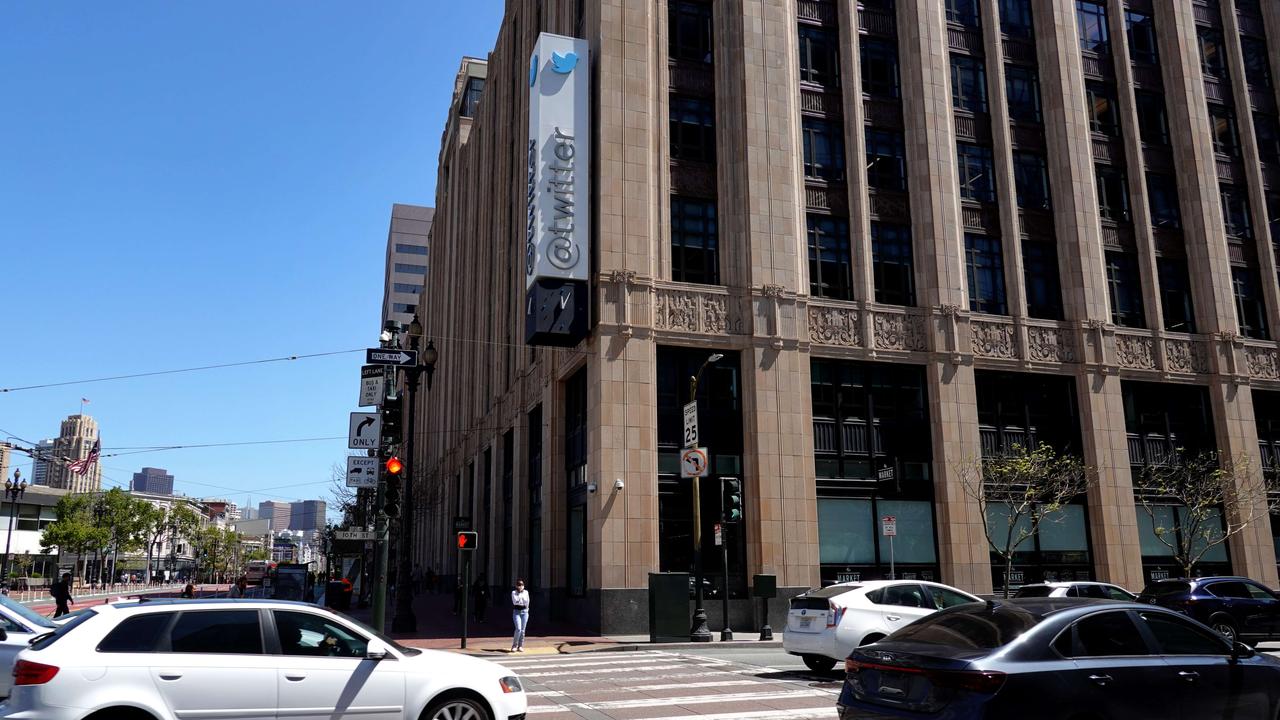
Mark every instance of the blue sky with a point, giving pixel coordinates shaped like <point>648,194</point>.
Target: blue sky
<point>186,184</point>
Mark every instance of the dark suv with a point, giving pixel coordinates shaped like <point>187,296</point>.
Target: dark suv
<point>1239,608</point>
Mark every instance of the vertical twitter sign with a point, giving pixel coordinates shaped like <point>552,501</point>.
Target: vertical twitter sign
<point>557,224</point>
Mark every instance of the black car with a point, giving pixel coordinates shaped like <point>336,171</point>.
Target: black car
<point>1239,608</point>
<point>1058,659</point>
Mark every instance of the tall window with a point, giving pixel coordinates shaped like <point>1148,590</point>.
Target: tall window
<point>886,160</point>
<point>819,56</point>
<point>1251,309</point>
<point>964,12</point>
<point>694,247</point>
<point>985,264</point>
<point>823,149</point>
<point>1226,137</point>
<point>1142,38</point>
<point>693,129</point>
<point>1104,112</point>
<point>1213,56</point>
<point>689,31</point>
<point>968,84</point>
<point>1022,88</point>
<point>1257,67</point>
<point>891,260</point>
<point>1015,18</point>
<point>1040,270</point>
<point>1235,213</point>
<point>880,76</point>
<point>1124,289</point>
<point>1153,123</point>
<point>1113,193</point>
<point>1175,295</point>
<point>534,450</point>
<point>575,428</point>
<point>1267,129</point>
<point>1091,24</point>
<point>1162,192</point>
<point>977,172</point>
<point>1031,178</point>
<point>829,258</point>
<point>471,97</point>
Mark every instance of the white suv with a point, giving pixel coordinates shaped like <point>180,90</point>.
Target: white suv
<point>825,625</point>
<point>249,660</point>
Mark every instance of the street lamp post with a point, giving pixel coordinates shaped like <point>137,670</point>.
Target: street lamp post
<point>13,490</point>
<point>699,631</point>
<point>404,620</point>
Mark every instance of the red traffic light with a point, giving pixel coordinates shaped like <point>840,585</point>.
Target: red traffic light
<point>466,540</point>
<point>394,466</point>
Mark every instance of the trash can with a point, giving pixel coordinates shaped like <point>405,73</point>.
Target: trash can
<point>668,607</point>
<point>337,595</point>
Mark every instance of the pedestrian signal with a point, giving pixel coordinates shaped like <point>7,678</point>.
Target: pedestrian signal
<point>467,540</point>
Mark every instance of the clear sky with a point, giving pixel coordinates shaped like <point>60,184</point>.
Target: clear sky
<point>192,183</point>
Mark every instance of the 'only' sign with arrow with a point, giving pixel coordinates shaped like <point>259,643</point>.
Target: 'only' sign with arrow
<point>365,432</point>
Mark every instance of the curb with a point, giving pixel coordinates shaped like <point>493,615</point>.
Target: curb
<point>566,648</point>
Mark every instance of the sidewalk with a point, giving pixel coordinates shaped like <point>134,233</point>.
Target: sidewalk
<point>440,629</point>
<point>46,605</point>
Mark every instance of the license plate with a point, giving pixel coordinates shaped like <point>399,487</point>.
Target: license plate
<point>893,685</point>
<point>806,622</point>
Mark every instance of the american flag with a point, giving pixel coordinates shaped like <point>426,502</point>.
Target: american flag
<point>80,467</point>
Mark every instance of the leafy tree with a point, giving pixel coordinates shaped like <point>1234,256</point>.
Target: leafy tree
<point>1019,490</point>
<point>155,521</point>
<point>1196,503</point>
<point>74,530</point>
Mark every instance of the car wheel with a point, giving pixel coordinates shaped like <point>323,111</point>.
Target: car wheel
<point>818,663</point>
<point>456,708</point>
<point>1225,627</point>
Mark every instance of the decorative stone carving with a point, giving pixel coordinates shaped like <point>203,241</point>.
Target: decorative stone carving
<point>1227,335</point>
<point>897,331</point>
<point>691,311</point>
<point>1185,356</point>
<point>949,310</point>
<point>993,340</point>
<point>1135,351</point>
<point>715,313</point>
<point>677,311</point>
<point>835,326</point>
<point>773,291</point>
<point>623,277</point>
<point>1262,363</point>
<point>1095,324</point>
<point>1049,344</point>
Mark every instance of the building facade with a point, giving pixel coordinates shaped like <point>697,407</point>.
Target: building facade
<point>307,515</point>
<point>917,231</point>
<point>153,480</point>
<point>407,241</point>
<point>40,462</point>
<point>75,442</point>
<point>279,513</point>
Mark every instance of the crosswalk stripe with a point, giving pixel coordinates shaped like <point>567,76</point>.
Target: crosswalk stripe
<point>697,699</point>
<point>575,666</point>
<point>797,714</point>
<point>583,658</point>
<point>597,671</point>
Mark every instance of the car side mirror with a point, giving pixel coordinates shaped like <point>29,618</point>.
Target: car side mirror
<point>376,650</point>
<point>1240,650</point>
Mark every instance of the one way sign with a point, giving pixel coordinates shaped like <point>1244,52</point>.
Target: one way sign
<point>365,432</point>
<point>399,358</point>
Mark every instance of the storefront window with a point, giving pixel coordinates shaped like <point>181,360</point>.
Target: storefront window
<point>846,531</point>
<point>1158,554</point>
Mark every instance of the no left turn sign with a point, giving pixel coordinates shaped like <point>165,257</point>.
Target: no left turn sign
<point>693,462</point>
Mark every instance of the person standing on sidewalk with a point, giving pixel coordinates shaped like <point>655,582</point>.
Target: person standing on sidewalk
<point>519,615</point>
<point>61,592</point>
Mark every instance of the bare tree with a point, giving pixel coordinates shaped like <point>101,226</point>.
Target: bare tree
<point>343,497</point>
<point>1195,504</point>
<point>1019,490</point>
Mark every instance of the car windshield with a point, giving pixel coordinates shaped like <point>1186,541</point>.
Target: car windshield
<point>403,649</point>
<point>31,616</point>
<point>980,627</point>
<point>1162,589</point>
<point>41,642</point>
<point>1033,591</point>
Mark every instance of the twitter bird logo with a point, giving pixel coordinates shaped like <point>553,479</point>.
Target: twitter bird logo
<point>563,64</point>
<point>533,70</point>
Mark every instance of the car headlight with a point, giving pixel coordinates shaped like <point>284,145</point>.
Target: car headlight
<point>511,684</point>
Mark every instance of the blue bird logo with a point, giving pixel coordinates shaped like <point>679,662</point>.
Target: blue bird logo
<point>564,64</point>
<point>533,70</point>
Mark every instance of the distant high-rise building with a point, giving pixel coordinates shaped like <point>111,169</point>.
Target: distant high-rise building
<point>276,511</point>
<point>233,512</point>
<point>40,470</point>
<point>307,515</point>
<point>249,513</point>
<point>153,480</point>
<point>76,440</point>
<point>4,460</point>
<point>406,261</point>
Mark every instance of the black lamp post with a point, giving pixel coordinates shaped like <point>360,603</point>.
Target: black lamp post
<point>699,632</point>
<point>13,490</point>
<point>405,620</point>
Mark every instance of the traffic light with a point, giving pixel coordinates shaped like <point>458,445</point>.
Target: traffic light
<point>467,540</point>
<point>731,499</point>
<point>391,491</point>
<point>392,414</point>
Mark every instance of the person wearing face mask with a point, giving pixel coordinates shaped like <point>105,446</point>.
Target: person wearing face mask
<point>519,615</point>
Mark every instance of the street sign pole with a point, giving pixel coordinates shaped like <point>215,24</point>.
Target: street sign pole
<point>726,633</point>
<point>466,587</point>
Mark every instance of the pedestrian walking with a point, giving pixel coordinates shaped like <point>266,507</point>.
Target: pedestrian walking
<point>189,591</point>
<point>519,615</point>
<point>431,579</point>
<point>459,592</point>
<point>480,596</point>
<point>238,590</point>
<point>61,592</point>
<point>415,577</point>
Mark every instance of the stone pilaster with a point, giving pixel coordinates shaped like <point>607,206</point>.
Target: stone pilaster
<point>1252,550</point>
<point>1117,555</point>
<point>963,551</point>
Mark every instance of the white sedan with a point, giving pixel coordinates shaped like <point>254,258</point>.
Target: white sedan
<point>825,625</point>
<point>248,660</point>
<point>19,624</point>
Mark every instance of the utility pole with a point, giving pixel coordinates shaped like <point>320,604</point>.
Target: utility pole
<point>405,620</point>
<point>380,534</point>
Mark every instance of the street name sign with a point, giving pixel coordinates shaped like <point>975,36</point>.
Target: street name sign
<point>691,425</point>
<point>371,385</point>
<point>365,431</point>
<point>362,472</point>
<point>354,535</point>
<point>693,463</point>
<point>889,525</point>
<point>398,358</point>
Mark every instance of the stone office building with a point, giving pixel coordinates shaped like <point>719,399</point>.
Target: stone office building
<point>917,230</point>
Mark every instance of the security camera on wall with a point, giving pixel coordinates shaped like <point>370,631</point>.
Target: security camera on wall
<point>618,484</point>
<point>591,487</point>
